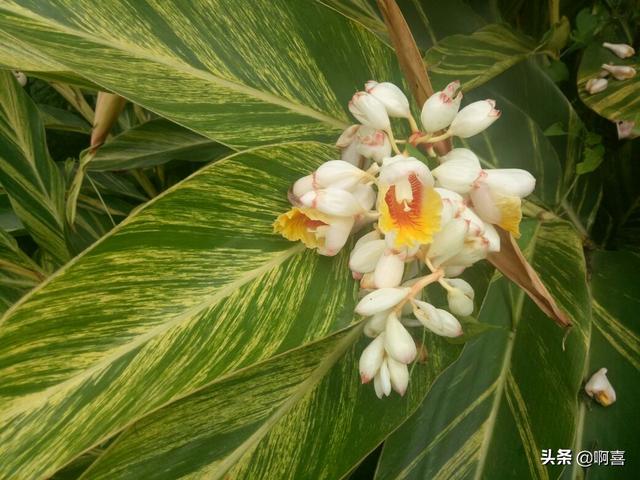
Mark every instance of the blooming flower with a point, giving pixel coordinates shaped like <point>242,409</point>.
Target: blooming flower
<point>600,388</point>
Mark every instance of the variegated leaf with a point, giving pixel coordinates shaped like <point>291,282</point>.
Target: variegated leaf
<point>190,289</point>
<point>31,179</point>
<point>154,143</point>
<point>302,414</point>
<point>621,99</point>
<point>18,272</point>
<point>614,345</point>
<point>274,79</point>
<point>513,391</point>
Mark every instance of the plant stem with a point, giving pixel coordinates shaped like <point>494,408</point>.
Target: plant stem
<point>554,12</point>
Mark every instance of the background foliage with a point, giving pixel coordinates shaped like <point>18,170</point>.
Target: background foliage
<point>163,331</point>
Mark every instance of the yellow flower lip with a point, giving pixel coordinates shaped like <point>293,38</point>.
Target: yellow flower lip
<point>300,223</point>
<point>414,221</point>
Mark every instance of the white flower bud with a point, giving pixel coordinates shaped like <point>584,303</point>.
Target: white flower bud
<point>364,257</point>
<point>459,303</point>
<point>453,271</point>
<point>338,174</point>
<point>491,237</point>
<point>459,171</point>
<point>389,270</point>
<point>365,195</point>
<point>393,99</point>
<point>369,111</point>
<point>376,324</point>
<point>475,249</point>
<point>399,374</point>
<point>369,237</point>
<point>510,181</point>
<point>20,77</point>
<point>437,320</point>
<point>620,72</point>
<point>350,154</point>
<point>596,85</point>
<point>381,299</point>
<point>371,359</point>
<point>398,342</point>
<point>400,167</point>
<point>332,201</point>
<point>625,129</point>
<point>462,285</point>
<point>302,186</point>
<point>474,118</point>
<point>620,49</point>
<point>382,381</point>
<point>441,108</point>
<point>600,388</point>
<point>373,144</point>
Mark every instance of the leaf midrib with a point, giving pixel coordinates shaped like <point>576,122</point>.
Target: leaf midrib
<point>131,49</point>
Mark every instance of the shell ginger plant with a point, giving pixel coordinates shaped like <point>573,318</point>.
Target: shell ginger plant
<point>414,218</point>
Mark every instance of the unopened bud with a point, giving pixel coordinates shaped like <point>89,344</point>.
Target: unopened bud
<point>596,85</point>
<point>620,49</point>
<point>393,99</point>
<point>600,388</point>
<point>474,118</point>
<point>620,72</point>
<point>441,108</point>
<point>369,111</point>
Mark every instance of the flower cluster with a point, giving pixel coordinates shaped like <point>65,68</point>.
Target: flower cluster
<point>425,226</point>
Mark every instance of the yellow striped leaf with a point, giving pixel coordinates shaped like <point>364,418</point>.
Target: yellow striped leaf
<point>303,414</point>
<point>243,73</point>
<point>192,288</point>
<point>18,272</point>
<point>614,345</point>
<point>154,143</point>
<point>621,99</point>
<point>31,179</point>
<point>514,390</point>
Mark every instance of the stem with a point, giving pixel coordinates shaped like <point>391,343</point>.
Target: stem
<point>413,124</point>
<point>392,140</point>
<point>144,182</point>
<point>554,12</point>
<point>429,139</point>
<point>74,96</point>
<point>417,288</point>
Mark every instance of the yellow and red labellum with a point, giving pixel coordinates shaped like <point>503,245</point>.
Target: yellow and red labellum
<point>414,222</point>
<point>300,224</point>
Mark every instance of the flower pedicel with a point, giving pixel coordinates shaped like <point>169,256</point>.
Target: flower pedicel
<point>442,219</point>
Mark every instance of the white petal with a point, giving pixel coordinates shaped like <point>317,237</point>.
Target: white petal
<point>462,285</point>
<point>398,341</point>
<point>369,111</point>
<point>393,172</point>
<point>336,235</point>
<point>339,174</point>
<point>371,359</point>
<point>459,303</point>
<point>510,181</point>
<point>474,118</point>
<point>600,388</point>
<point>484,204</point>
<point>385,378</point>
<point>373,144</point>
<point>350,154</point>
<point>399,373</point>
<point>377,386</point>
<point>389,270</point>
<point>453,271</point>
<point>393,99</point>
<point>332,201</point>
<point>364,257</point>
<point>376,324</point>
<point>474,250</point>
<point>303,185</point>
<point>369,237</point>
<point>381,299</point>
<point>458,173</point>
<point>437,320</point>
<point>448,241</point>
<point>622,50</point>
<point>490,235</point>
<point>365,195</point>
<point>348,136</point>
<point>441,108</point>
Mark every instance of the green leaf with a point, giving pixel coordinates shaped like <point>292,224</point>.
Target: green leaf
<point>303,414</point>
<point>191,288</point>
<point>477,58</point>
<point>154,143</point>
<point>9,222</point>
<point>18,273</point>
<point>30,178</point>
<point>614,345</point>
<point>59,119</point>
<point>240,86</point>
<point>513,391</point>
<point>619,101</point>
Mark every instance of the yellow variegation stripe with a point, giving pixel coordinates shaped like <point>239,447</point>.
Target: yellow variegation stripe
<point>272,80</point>
<point>30,178</point>
<point>192,287</point>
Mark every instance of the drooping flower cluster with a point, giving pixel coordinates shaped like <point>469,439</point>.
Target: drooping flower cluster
<point>425,226</point>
